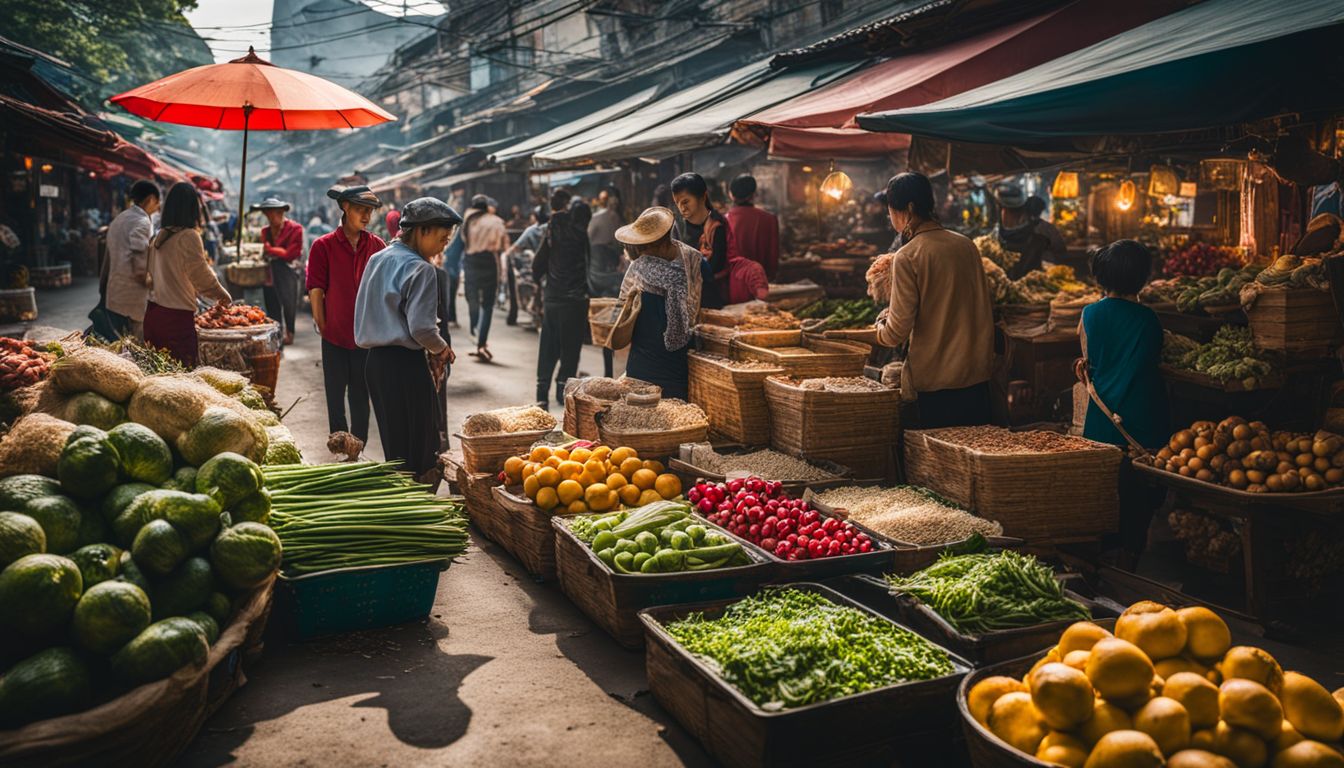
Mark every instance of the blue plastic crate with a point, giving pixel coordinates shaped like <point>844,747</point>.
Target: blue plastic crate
<point>351,599</point>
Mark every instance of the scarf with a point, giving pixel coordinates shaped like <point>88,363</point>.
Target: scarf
<point>673,281</point>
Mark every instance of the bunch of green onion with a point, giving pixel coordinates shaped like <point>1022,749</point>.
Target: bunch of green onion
<point>359,514</point>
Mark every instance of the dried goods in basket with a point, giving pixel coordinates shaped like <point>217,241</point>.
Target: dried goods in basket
<point>809,415</point>
<point>732,394</point>
<point>585,397</point>
<point>804,356</point>
<point>653,431</point>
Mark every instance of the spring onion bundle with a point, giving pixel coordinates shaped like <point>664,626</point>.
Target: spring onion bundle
<point>980,593</point>
<point>358,514</point>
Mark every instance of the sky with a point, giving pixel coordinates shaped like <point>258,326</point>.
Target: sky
<point>230,26</point>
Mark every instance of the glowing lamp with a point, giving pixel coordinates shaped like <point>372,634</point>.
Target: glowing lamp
<point>1127,194</point>
<point>836,185</point>
<point>1065,186</point>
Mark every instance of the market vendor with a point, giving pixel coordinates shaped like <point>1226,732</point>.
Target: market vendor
<point>1018,231</point>
<point>1122,349</point>
<point>706,230</point>
<point>282,242</point>
<point>336,263</point>
<point>666,273</point>
<point>940,305</point>
<point>179,275</point>
<point>397,321</point>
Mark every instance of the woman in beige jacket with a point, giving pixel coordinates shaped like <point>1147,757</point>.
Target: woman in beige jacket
<point>180,275</point>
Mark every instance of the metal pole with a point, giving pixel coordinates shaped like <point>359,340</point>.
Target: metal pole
<point>242,181</point>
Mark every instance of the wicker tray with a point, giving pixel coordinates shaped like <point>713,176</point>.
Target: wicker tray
<point>873,462</point>
<point>824,358</point>
<point>882,726</point>
<point>732,398</point>
<point>487,453</point>
<point>652,445</point>
<point>1328,502</point>
<point>689,474</point>
<point>352,599</point>
<point>613,600</point>
<point>1044,498</point>
<point>526,533</point>
<point>1297,321</point>
<point>859,335</point>
<point>807,421</point>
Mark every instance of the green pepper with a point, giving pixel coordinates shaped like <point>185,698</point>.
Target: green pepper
<point>607,556</point>
<point>702,566</point>
<point>713,554</point>
<point>640,560</point>
<point>647,542</point>
<point>671,560</point>
<point>627,545</point>
<point>714,539</point>
<point>681,540</point>
<point>604,540</point>
<point>650,565</point>
<point>624,562</point>
<point>697,533</point>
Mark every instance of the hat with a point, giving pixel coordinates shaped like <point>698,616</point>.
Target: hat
<point>1009,195</point>
<point>424,211</point>
<point>480,201</point>
<point>359,195</point>
<point>650,227</point>
<point>271,204</point>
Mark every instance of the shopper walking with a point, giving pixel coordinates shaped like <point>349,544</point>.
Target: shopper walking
<point>755,230</point>
<point>336,263</point>
<point>180,275</point>
<point>282,242</point>
<point>452,264</point>
<point>940,305</point>
<point>667,274</point>
<point>396,320</point>
<point>562,267</point>
<point>484,239</point>
<point>706,230</point>
<point>125,271</point>
<point>606,267</point>
<point>520,256</point>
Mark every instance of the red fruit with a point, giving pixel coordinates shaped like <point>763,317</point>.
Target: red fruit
<point>705,506</point>
<point>815,549</point>
<point>754,530</point>
<point>735,485</point>
<point>767,529</point>
<point>865,546</point>
<point>833,548</point>
<point>769,544</point>
<point>755,484</point>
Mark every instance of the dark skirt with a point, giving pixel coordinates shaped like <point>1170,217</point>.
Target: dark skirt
<point>405,404</point>
<point>650,359</point>
<point>173,330</point>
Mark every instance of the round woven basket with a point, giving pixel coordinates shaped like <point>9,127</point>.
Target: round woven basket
<point>247,274</point>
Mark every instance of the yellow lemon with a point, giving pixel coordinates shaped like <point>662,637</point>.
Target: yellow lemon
<point>984,693</point>
<point>648,497</point>
<point>561,453</point>
<point>615,481</point>
<point>601,453</point>
<point>620,455</point>
<point>547,499</point>
<point>1207,635</point>
<point>1311,709</point>
<point>1106,717</point>
<point>629,495</point>
<point>513,467</point>
<point>530,469</point>
<point>643,479</point>
<point>628,466</point>
<point>596,495</point>
<point>569,491</point>
<point>613,500</point>
<point>1014,719</point>
<point>530,487</point>
<point>667,485</point>
<point>595,468</point>
<point>1117,669</point>
<point>1197,695</point>
<point>1167,722</point>
<point>549,477</point>
<point>1240,746</point>
<point>580,455</point>
<point>1125,749</point>
<point>1255,664</point>
<point>655,466</point>
<point>570,470</point>
<point>540,454</point>
<point>1248,704</point>
<point>1309,754</point>
<point>1062,749</point>
<point>1062,695</point>
<point>552,462</point>
<point>1198,758</point>
<point>1081,636</point>
<point>577,507</point>
<point>1154,628</point>
<point>1077,659</point>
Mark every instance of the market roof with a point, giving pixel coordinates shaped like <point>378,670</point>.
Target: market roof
<point>564,131</point>
<point>1219,62</point>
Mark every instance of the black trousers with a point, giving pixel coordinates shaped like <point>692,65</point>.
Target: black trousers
<point>481,272</point>
<point>404,401</point>
<point>342,377</point>
<point>453,282</point>
<point>282,295</point>
<point>512,318</point>
<point>963,407</point>
<point>562,329</point>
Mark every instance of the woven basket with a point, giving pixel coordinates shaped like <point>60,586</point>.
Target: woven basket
<point>824,357</point>
<point>653,445</point>
<point>1297,321</point>
<point>866,462</point>
<point>581,409</point>
<point>1045,498</point>
<point>482,509</point>
<point>487,453</point>
<point>732,398</point>
<point>247,274</point>
<point>527,533</point>
<point>857,335</point>
<point>714,339</point>
<point>807,421</point>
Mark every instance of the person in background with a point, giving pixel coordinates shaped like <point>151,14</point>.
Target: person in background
<point>755,231</point>
<point>520,257</point>
<point>484,240</point>
<point>393,221</point>
<point>662,197</point>
<point>180,275</point>
<point>666,273</point>
<point>452,264</point>
<point>1017,231</point>
<point>397,321</point>
<point>441,400</point>
<point>561,266</point>
<point>746,280</point>
<point>707,230</point>
<point>125,272</point>
<point>940,305</point>
<point>282,242</point>
<point>516,220</point>
<point>1055,247</point>
<point>1122,349</point>
<point>605,268</point>
<point>336,263</point>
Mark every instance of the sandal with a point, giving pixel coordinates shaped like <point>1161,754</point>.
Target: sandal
<point>484,354</point>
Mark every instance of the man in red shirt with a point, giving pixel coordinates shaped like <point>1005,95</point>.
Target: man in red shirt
<point>282,242</point>
<point>755,231</point>
<point>336,263</point>
<point>746,280</point>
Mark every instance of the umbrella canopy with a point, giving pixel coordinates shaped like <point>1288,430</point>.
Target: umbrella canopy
<point>254,94</point>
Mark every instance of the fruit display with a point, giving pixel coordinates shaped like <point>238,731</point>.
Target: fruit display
<point>349,515</point>
<point>1220,290</point>
<point>589,479</point>
<point>908,513</point>
<point>787,648</point>
<point>990,248</point>
<point>1166,688</point>
<point>661,537</point>
<point>979,593</point>
<point>1247,456</point>
<point>232,316</point>
<point>1200,260</point>
<point>791,529</point>
<point>840,314</point>
<point>1287,272</point>
<point>1230,356</point>
<point>21,365</point>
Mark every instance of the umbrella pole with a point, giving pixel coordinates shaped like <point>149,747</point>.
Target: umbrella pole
<point>242,182</point>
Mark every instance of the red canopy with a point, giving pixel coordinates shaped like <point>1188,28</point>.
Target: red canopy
<point>821,122</point>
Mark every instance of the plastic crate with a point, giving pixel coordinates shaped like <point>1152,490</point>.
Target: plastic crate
<point>351,599</point>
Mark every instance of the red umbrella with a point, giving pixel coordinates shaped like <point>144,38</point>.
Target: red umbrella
<point>251,94</point>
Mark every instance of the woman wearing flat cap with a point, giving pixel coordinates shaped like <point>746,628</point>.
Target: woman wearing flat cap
<point>282,242</point>
<point>397,321</point>
<point>666,272</point>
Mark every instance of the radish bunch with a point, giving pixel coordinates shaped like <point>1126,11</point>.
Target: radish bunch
<point>760,512</point>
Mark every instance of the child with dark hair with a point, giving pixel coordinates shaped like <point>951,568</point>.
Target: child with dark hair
<point>1122,348</point>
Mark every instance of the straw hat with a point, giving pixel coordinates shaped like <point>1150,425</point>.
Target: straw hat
<point>650,227</point>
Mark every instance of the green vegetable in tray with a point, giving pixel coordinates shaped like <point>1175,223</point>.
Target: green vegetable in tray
<point>978,593</point>
<point>660,537</point>
<point>1230,356</point>
<point>786,648</point>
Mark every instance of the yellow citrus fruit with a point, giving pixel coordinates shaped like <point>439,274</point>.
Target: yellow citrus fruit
<point>1106,717</point>
<point>629,495</point>
<point>1311,709</point>
<point>530,487</point>
<point>628,466</point>
<point>648,497</point>
<point>1167,722</point>
<point>577,507</point>
<point>1248,704</point>
<point>643,479</point>
<point>513,467</point>
<point>1255,664</point>
<point>529,469</point>
<point>986,692</point>
<point>1081,636</point>
<point>595,468</point>
<point>1207,635</point>
<point>570,469</point>
<point>569,491</point>
<point>562,453</point>
<point>656,466</point>
<point>615,481</point>
<point>549,477</point>
<point>667,485</point>
<point>587,479</point>
<point>1131,749</point>
<point>601,453</point>
<point>1154,628</point>
<point>580,455</point>
<point>1198,758</point>
<point>552,462</point>
<point>1016,721</point>
<point>1309,753</point>
<point>1239,745</point>
<point>1197,695</point>
<point>1062,749</point>
<point>1078,659</point>
<point>596,496</point>
<point>613,500</point>
<point>1062,695</point>
<point>1118,669</point>
<point>540,454</point>
<point>547,499</point>
<point>619,455</point>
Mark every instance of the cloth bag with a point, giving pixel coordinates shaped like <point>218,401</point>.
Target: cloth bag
<point>612,321</point>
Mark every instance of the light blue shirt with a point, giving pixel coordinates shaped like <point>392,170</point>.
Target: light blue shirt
<point>398,301</point>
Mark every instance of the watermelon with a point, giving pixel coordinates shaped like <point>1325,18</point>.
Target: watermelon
<point>97,563</point>
<point>89,466</point>
<point>158,547</point>
<point>253,508</point>
<point>108,615</point>
<point>230,477</point>
<point>18,490</point>
<point>245,555</point>
<point>38,594</point>
<point>94,410</point>
<point>156,505</point>
<point>119,498</point>
<point>144,455</point>
<point>219,430</point>
<point>194,515</point>
<point>92,528</point>
<point>184,479</point>
<point>219,607</point>
<point>161,649</point>
<point>186,589</point>
<point>60,519</point>
<point>20,535</point>
<point>50,683</point>
<point>130,573</point>
<point>207,624</point>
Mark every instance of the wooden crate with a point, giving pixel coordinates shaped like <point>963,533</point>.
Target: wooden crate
<point>1296,321</point>
<point>824,357</point>
<point>527,533</point>
<point>808,421</point>
<point>883,727</point>
<point>732,398</point>
<point>1045,498</point>
<point>613,600</point>
<point>487,453</point>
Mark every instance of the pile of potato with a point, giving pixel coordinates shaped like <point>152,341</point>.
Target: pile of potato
<point>1248,457</point>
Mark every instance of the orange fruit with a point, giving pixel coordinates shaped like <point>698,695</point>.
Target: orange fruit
<point>549,477</point>
<point>615,481</point>
<point>577,508</point>
<point>563,453</point>
<point>554,461</point>
<point>513,467</point>
<point>540,454</point>
<point>530,487</point>
<point>601,453</point>
<point>648,497</point>
<point>619,455</point>
<point>668,486</point>
<point>580,455</point>
<point>629,467</point>
<point>629,495</point>
<point>656,466</point>
<point>547,499</point>
<point>570,470</point>
<point>569,491</point>
<point>613,500</point>
<point>587,479</point>
<point>644,479</point>
<point>597,495</point>
<point>529,469</point>
<point>595,468</point>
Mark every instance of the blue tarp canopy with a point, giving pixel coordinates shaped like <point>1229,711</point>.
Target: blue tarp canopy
<point>1220,62</point>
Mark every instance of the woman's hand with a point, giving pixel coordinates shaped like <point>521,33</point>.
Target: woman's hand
<point>223,303</point>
